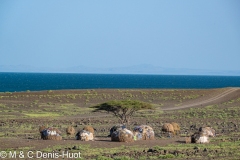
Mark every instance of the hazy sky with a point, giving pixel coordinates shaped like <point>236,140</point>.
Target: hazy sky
<point>199,34</point>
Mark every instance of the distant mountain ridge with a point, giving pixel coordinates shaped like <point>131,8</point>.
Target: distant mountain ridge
<point>136,69</point>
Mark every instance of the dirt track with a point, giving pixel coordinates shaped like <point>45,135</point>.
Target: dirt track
<point>207,101</point>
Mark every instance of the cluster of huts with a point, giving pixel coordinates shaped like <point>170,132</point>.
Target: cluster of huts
<point>120,133</point>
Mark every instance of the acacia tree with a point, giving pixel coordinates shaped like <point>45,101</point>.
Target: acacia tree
<point>124,109</point>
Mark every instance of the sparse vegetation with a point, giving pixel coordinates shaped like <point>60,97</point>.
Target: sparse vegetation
<point>22,113</point>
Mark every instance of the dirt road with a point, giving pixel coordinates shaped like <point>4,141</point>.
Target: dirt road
<point>215,98</point>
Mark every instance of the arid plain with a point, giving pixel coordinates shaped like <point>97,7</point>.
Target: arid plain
<point>21,114</point>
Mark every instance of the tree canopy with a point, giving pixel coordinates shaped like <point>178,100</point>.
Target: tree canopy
<point>124,109</point>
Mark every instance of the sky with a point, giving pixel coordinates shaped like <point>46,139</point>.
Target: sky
<point>199,34</point>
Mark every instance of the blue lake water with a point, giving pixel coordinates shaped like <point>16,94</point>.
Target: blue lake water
<point>55,81</point>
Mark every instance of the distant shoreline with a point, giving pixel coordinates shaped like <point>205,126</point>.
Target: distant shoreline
<point>106,73</point>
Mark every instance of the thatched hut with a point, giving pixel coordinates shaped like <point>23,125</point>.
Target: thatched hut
<point>50,133</point>
<point>176,128</point>
<point>116,127</point>
<point>208,131</point>
<point>199,137</point>
<point>167,127</point>
<point>84,135</point>
<point>89,129</point>
<point>122,135</point>
<point>70,131</point>
<point>143,132</point>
